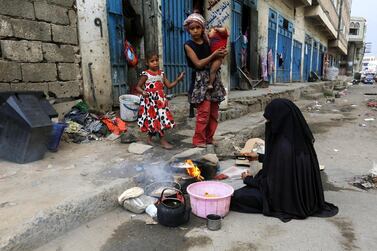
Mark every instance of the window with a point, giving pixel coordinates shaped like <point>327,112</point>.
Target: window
<point>354,31</point>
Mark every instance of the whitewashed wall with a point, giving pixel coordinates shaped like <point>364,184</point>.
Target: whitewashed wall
<point>95,49</point>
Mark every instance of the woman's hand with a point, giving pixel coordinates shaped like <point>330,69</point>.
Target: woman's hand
<point>245,174</point>
<point>222,52</point>
<point>251,155</point>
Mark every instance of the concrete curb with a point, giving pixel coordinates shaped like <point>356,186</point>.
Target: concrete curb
<point>68,215</point>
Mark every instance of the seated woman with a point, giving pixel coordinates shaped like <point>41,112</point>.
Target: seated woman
<point>289,185</point>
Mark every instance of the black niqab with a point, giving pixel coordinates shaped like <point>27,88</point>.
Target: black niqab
<point>289,183</point>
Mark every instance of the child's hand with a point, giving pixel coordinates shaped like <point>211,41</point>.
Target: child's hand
<point>145,94</point>
<point>222,52</point>
<point>181,76</point>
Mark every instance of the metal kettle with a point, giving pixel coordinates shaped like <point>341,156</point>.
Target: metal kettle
<point>172,212</point>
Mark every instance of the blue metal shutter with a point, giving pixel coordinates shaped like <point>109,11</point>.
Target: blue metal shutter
<point>174,12</point>
<point>272,27</point>
<point>307,57</point>
<point>284,50</point>
<point>314,67</point>
<point>236,37</point>
<point>296,63</point>
<point>116,41</point>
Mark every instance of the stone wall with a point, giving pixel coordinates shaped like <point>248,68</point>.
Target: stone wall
<point>39,47</point>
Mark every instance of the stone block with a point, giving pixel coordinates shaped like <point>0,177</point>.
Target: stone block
<point>68,71</point>
<point>51,13</point>
<point>31,30</point>
<point>39,72</point>
<point>4,87</point>
<point>29,87</point>
<point>65,89</point>
<point>138,148</point>
<point>23,51</point>
<point>72,18</point>
<point>5,27</point>
<point>54,53</point>
<point>10,71</point>
<point>65,3</point>
<point>64,34</point>
<point>17,8</point>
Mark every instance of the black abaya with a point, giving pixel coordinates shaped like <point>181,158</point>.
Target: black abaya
<point>289,185</point>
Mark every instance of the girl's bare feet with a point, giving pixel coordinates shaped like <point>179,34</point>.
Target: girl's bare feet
<point>165,144</point>
<point>149,140</point>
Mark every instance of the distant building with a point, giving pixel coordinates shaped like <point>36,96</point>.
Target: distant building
<point>369,64</point>
<point>356,44</point>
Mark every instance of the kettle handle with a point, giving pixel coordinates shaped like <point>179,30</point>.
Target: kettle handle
<point>174,189</point>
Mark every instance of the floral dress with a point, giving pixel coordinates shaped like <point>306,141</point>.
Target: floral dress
<point>154,114</point>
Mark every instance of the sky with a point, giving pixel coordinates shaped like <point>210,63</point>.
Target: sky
<point>368,10</point>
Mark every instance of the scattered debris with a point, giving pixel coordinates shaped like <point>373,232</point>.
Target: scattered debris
<point>363,125</point>
<point>336,150</point>
<point>70,167</point>
<point>127,137</point>
<point>84,173</point>
<point>151,210</point>
<point>369,119</point>
<point>364,182</point>
<point>7,204</point>
<point>7,175</point>
<point>368,181</point>
<point>85,126</point>
<point>150,221</point>
<point>112,137</point>
<point>372,104</point>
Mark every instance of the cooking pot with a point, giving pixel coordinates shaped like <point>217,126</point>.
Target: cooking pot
<point>172,212</point>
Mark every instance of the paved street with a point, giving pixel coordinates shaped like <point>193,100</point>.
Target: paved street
<point>344,145</point>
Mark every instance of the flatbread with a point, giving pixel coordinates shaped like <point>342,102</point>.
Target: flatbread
<point>133,192</point>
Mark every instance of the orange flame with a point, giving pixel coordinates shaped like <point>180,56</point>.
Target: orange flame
<point>193,170</point>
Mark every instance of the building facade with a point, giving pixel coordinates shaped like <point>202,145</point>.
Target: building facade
<point>79,45</point>
<point>356,44</point>
<point>369,65</point>
<point>39,48</point>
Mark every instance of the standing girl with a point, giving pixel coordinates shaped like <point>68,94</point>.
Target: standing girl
<point>199,57</point>
<point>154,114</point>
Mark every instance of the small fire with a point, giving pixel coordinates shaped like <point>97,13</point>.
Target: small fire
<point>193,170</point>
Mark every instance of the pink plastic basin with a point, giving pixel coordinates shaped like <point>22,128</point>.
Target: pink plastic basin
<point>217,200</point>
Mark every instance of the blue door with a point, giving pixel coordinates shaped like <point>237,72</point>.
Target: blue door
<point>296,61</point>
<point>284,50</point>
<point>236,36</point>
<point>272,26</point>
<point>314,67</point>
<point>116,41</point>
<point>320,60</point>
<point>307,58</point>
<point>174,12</point>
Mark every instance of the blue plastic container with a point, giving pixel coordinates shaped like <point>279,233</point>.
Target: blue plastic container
<point>56,135</point>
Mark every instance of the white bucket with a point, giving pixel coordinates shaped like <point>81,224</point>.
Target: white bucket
<point>129,107</point>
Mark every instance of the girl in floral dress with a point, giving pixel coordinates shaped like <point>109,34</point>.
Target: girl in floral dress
<point>154,114</point>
